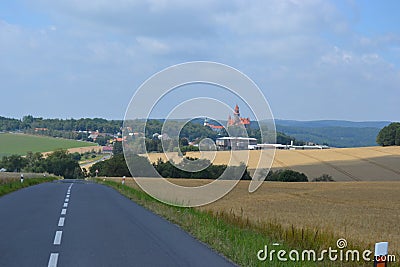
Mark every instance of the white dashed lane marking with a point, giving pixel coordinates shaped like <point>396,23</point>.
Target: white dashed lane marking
<point>53,260</point>
<point>61,222</point>
<point>57,238</point>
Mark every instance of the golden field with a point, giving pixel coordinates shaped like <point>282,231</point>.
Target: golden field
<point>362,206</point>
<point>366,211</point>
<point>343,164</point>
<point>80,150</point>
<point>361,212</point>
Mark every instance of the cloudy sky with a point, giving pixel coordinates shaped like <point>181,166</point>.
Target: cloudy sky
<point>312,59</point>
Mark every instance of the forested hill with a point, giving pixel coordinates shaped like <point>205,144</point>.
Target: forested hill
<point>334,136</point>
<point>336,133</point>
<point>86,124</point>
<point>332,123</point>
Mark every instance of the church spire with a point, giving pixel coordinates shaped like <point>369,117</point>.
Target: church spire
<point>237,110</point>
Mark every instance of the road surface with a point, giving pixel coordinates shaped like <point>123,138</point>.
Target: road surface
<point>87,165</point>
<point>86,224</point>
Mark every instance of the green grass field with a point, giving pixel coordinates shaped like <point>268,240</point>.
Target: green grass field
<point>21,143</point>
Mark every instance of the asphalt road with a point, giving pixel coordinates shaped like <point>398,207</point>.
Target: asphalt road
<point>90,164</point>
<point>85,224</point>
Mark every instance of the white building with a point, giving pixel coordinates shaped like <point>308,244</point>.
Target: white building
<point>235,143</point>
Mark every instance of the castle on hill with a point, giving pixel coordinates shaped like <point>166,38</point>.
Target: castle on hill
<point>234,120</point>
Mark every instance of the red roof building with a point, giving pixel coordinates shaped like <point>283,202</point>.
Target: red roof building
<point>236,119</point>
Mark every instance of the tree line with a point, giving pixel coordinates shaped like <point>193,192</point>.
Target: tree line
<point>117,167</point>
<point>389,135</point>
<point>60,163</point>
<point>78,129</point>
<point>83,124</point>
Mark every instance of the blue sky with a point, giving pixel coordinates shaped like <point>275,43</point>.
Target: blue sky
<point>312,59</point>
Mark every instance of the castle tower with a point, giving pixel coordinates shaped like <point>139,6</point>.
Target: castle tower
<point>236,119</point>
<point>236,112</point>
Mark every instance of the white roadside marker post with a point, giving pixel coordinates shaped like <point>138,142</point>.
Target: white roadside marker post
<point>381,254</point>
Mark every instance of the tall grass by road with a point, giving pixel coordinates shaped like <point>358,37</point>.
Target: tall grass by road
<point>8,185</point>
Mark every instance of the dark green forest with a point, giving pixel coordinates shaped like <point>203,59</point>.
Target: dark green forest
<point>59,163</point>
<point>389,135</point>
<point>86,124</point>
<point>334,136</point>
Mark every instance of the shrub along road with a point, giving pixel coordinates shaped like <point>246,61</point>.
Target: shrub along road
<point>75,223</point>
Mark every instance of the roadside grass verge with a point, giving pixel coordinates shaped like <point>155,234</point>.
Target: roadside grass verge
<point>8,185</point>
<point>238,238</point>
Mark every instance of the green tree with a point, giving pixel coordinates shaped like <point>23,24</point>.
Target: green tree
<point>62,163</point>
<point>13,163</point>
<point>183,142</point>
<point>117,148</point>
<point>323,178</point>
<point>286,176</point>
<point>116,166</point>
<point>389,135</point>
<point>35,162</point>
<point>76,156</point>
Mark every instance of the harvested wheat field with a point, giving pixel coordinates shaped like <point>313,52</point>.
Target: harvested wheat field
<point>365,211</point>
<point>80,150</point>
<point>343,164</point>
<point>361,212</point>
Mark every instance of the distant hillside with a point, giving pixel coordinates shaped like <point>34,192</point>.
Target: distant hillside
<point>333,136</point>
<point>333,123</point>
<point>335,133</point>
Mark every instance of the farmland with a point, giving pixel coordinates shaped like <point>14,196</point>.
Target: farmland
<point>21,143</point>
<point>361,212</point>
<point>362,206</point>
<point>365,212</point>
<point>343,164</point>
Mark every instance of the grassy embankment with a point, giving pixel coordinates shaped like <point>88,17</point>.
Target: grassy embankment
<point>238,237</point>
<point>8,185</point>
<point>22,143</point>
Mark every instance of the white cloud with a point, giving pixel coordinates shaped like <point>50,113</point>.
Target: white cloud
<point>298,48</point>
<point>152,45</point>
